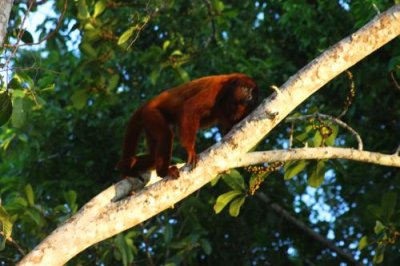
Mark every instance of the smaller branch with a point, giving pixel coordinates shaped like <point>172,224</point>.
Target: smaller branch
<point>318,153</point>
<point>396,84</point>
<point>16,46</point>
<point>276,89</point>
<point>350,97</point>
<point>14,243</point>
<point>397,152</point>
<point>303,227</point>
<point>20,33</point>
<point>335,120</point>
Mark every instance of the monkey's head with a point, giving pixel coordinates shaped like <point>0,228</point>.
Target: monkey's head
<point>243,97</point>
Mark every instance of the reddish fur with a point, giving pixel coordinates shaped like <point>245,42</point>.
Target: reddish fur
<point>223,100</point>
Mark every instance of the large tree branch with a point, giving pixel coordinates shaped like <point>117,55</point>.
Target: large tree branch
<point>81,231</point>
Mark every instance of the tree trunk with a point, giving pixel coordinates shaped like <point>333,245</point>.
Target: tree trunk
<point>5,10</point>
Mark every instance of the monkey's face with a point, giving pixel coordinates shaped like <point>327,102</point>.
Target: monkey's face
<point>245,95</point>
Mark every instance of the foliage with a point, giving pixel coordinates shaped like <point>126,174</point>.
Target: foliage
<point>72,96</point>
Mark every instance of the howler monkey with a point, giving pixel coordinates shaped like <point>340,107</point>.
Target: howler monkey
<point>221,100</point>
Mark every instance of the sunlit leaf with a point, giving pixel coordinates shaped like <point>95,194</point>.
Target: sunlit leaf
<point>126,35</point>
<point>224,199</point>
<point>293,168</point>
<point>234,207</point>
<point>317,139</point>
<point>30,197</point>
<point>234,180</point>
<point>99,7</point>
<point>379,227</point>
<point>6,226</point>
<point>330,141</point>
<point>363,243</point>
<point>317,175</point>
<point>379,254</point>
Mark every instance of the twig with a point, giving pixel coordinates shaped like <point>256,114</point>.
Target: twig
<point>148,19</point>
<point>14,243</point>
<point>350,97</point>
<point>396,84</point>
<point>335,120</point>
<point>213,37</point>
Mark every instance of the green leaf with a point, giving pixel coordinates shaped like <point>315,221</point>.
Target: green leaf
<point>166,44</point>
<point>34,215</point>
<point>224,199</point>
<point>215,180</point>
<point>388,204</point>
<point>70,197</point>
<point>184,75</point>
<point>292,168</point>
<point>305,135</point>
<point>379,255</point>
<point>234,207</point>
<point>177,53</point>
<point>49,88</point>
<point>154,75</point>
<point>126,35</point>
<point>363,243</point>
<point>27,37</point>
<point>234,180</point>
<point>30,197</point>
<point>168,233</point>
<point>25,80</point>
<point>83,12</point>
<point>317,139</point>
<point>206,246</point>
<point>218,6</point>
<point>79,99</point>
<point>89,50</point>
<point>113,82</point>
<point>317,176</point>
<point>330,141</point>
<point>19,113</point>
<point>6,107</point>
<point>99,7</point>
<point>379,227</point>
<point>6,226</point>
<point>124,249</point>
<point>375,210</point>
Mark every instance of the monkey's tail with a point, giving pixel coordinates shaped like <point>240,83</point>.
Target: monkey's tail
<point>132,134</point>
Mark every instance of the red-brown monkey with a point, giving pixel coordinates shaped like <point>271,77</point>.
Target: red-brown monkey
<point>221,100</point>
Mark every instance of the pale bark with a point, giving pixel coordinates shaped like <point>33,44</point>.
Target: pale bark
<point>102,218</point>
<point>318,153</point>
<point>5,9</point>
